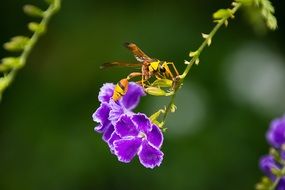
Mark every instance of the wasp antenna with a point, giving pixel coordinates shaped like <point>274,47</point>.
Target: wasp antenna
<point>104,65</point>
<point>127,44</point>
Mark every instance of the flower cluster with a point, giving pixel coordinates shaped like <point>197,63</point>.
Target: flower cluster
<point>127,133</point>
<point>273,164</point>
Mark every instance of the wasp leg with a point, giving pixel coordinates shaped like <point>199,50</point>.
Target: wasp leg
<point>173,66</point>
<point>134,74</point>
<point>176,79</point>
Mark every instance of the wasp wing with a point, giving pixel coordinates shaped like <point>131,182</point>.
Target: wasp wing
<point>119,64</point>
<point>138,53</point>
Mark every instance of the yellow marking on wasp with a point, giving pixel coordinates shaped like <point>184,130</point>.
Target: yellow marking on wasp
<point>153,66</point>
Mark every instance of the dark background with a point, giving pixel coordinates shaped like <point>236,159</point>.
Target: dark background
<point>215,138</point>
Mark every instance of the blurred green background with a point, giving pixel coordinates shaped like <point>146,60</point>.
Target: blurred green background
<point>215,138</point>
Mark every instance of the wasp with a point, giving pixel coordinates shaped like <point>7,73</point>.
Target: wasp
<point>150,67</point>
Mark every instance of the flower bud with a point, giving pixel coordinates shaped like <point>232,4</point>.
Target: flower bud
<point>155,91</point>
<point>162,83</point>
<point>11,62</point>
<point>36,27</point>
<point>32,10</point>
<point>16,43</point>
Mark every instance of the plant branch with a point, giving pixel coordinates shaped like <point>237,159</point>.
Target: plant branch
<point>8,78</point>
<point>195,55</point>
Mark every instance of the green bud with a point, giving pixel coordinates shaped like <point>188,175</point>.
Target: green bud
<point>16,43</point>
<point>222,13</point>
<point>276,172</point>
<point>153,117</point>
<point>32,10</point>
<point>162,83</point>
<point>11,62</point>
<point>36,27</point>
<point>193,54</point>
<point>275,154</point>
<point>155,91</point>
<point>197,61</point>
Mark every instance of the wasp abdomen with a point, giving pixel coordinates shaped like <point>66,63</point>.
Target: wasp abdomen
<point>120,89</point>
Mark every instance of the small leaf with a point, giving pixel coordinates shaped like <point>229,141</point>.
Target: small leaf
<point>173,108</point>
<point>209,41</point>
<point>197,61</point>
<point>193,54</point>
<point>16,43</point>
<point>154,116</point>
<point>36,27</point>
<point>226,23</point>
<point>205,36</point>
<point>32,10</point>
<point>222,13</point>
<point>186,62</point>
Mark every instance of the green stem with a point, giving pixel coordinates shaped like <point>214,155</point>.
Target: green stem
<point>52,9</point>
<point>168,108</point>
<point>205,42</point>
<point>199,51</point>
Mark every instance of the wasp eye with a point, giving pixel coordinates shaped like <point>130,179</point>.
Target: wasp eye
<point>162,69</point>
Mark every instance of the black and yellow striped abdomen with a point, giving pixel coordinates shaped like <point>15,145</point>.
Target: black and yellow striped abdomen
<point>120,89</point>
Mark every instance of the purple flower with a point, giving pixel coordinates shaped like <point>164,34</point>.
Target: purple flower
<point>276,133</point>
<point>109,111</point>
<point>266,164</point>
<point>127,133</point>
<point>137,136</point>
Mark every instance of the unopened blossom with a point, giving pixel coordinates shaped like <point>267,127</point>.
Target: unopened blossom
<point>267,164</point>
<point>276,133</point>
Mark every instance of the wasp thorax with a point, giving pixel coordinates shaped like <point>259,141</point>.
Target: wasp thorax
<point>162,69</point>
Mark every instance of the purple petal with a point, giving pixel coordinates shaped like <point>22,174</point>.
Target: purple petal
<point>142,122</point>
<point>101,116</point>
<point>126,149</point>
<point>108,132</point>
<point>150,156</point>
<point>276,133</point>
<point>116,111</point>
<point>106,92</point>
<point>113,138</point>
<point>131,99</point>
<point>125,127</point>
<point>266,164</point>
<point>155,136</point>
